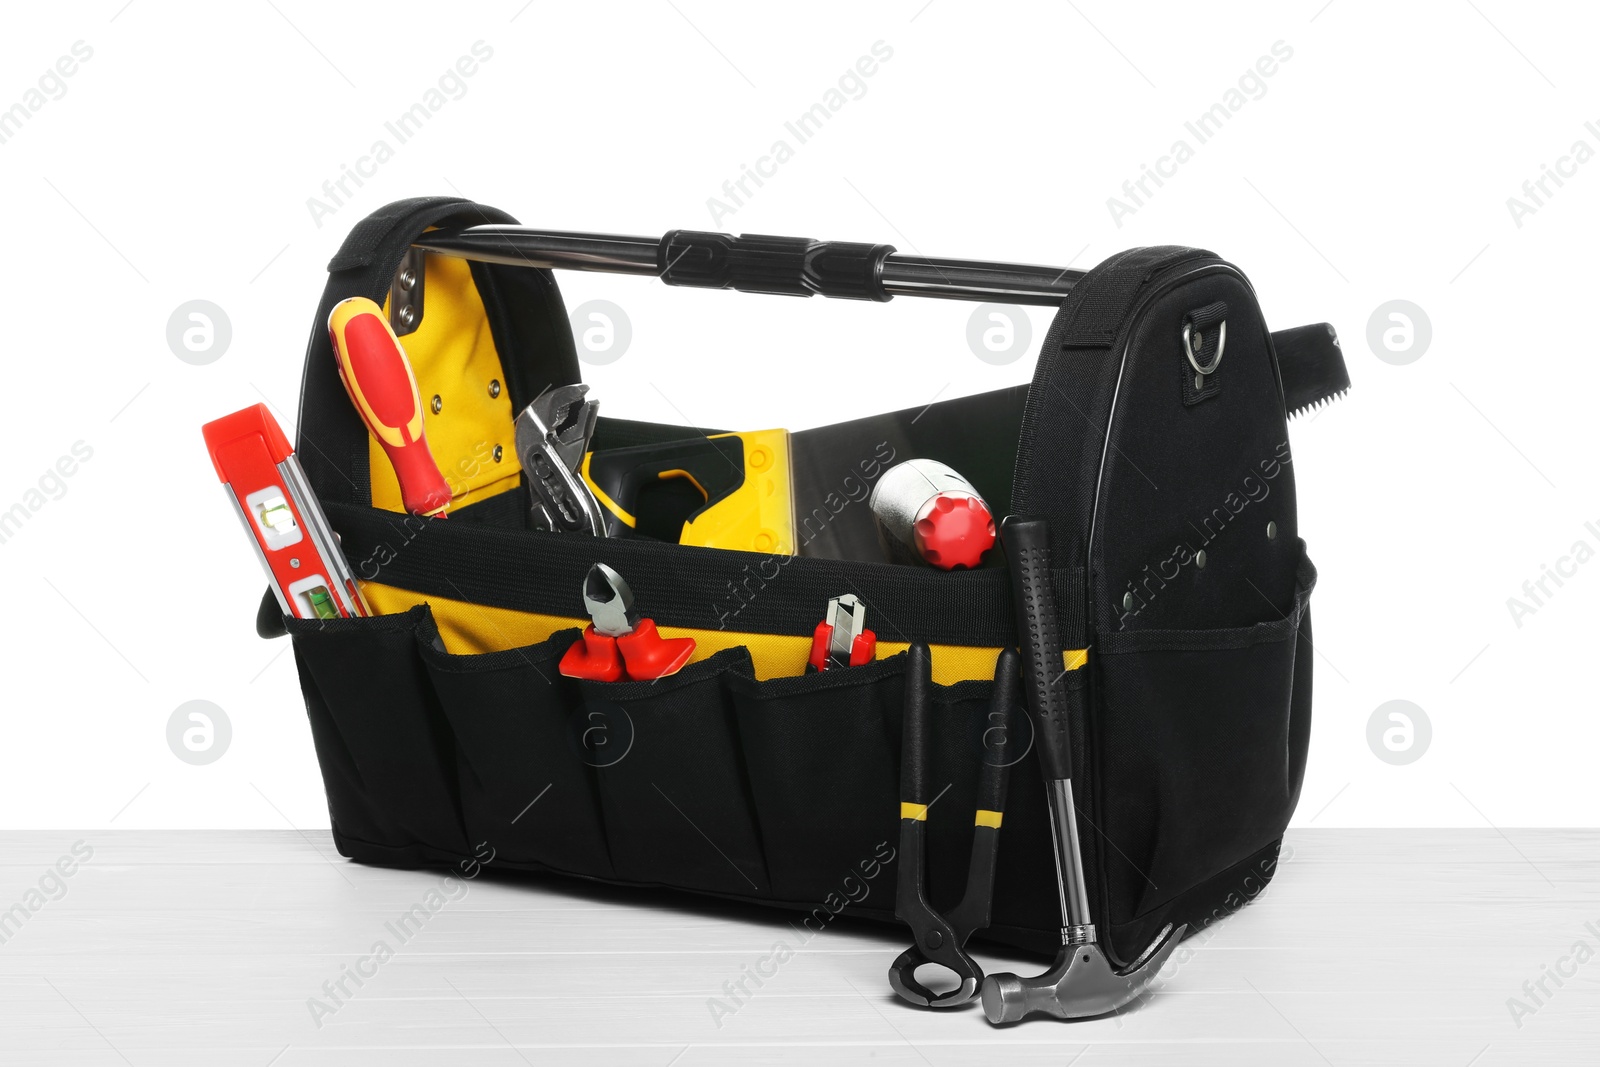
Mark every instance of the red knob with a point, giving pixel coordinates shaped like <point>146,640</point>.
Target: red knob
<point>954,530</point>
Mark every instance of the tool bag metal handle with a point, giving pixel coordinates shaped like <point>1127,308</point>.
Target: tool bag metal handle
<point>1312,365</point>
<point>754,263</point>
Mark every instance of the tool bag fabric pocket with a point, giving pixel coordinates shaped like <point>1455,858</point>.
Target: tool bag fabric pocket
<point>1227,699</point>
<point>1157,450</point>
<point>386,749</point>
<point>826,747</point>
<point>673,781</point>
<point>519,730</point>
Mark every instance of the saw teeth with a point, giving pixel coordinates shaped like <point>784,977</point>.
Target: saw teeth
<point>1319,403</point>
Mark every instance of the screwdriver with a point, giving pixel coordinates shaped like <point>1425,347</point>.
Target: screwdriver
<point>377,375</point>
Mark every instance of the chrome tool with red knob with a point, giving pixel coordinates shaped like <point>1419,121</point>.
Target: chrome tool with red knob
<point>927,512</point>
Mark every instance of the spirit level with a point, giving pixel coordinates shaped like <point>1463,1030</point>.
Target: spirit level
<point>270,493</point>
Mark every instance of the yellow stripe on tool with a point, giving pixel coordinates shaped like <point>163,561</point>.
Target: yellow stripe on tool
<point>988,818</point>
<point>918,812</point>
<point>1073,658</point>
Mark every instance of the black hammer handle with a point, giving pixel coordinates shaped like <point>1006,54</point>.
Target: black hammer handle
<point>1027,542</point>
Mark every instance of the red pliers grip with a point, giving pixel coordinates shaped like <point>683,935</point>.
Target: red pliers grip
<point>619,645</point>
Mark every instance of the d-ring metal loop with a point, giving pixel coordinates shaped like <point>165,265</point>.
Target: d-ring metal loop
<point>1188,348</point>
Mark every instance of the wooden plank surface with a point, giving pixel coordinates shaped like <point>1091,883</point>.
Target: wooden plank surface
<point>208,947</point>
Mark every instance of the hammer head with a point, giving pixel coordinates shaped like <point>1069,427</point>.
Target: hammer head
<point>1082,984</point>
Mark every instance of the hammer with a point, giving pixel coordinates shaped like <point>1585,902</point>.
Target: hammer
<point>1083,982</point>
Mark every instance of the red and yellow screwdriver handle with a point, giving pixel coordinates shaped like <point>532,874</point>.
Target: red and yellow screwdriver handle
<point>377,375</point>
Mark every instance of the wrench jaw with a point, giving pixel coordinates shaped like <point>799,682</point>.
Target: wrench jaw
<point>552,435</point>
<point>1081,985</point>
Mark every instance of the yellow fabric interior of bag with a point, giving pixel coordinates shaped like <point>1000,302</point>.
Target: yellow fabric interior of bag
<point>453,357</point>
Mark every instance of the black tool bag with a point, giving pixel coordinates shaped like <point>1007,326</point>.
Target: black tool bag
<point>445,731</point>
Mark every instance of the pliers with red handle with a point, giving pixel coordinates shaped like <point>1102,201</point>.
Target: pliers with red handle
<point>618,644</point>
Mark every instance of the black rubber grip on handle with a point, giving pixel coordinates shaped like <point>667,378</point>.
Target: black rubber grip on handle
<point>914,727</point>
<point>1001,743</point>
<point>1027,542</point>
<point>787,266</point>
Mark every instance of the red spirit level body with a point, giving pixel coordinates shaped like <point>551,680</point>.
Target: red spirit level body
<point>270,493</point>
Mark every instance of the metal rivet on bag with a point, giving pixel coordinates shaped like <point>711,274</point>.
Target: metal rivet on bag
<point>1199,341</point>
<point>1200,559</point>
<point>408,278</point>
<point>1272,531</point>
<point>494,388</point>
<point>438,403</point>
<point>498,451</point>
<point>1127,601</point>
<point>408,315</point>
<point>1199,381</point>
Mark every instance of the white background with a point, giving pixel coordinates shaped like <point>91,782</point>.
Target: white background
<point>1376,166</point>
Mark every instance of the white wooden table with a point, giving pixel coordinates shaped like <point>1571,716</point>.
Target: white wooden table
<point>177,948</point>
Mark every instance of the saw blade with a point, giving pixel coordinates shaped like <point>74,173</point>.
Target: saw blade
<point>1312,365</point>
